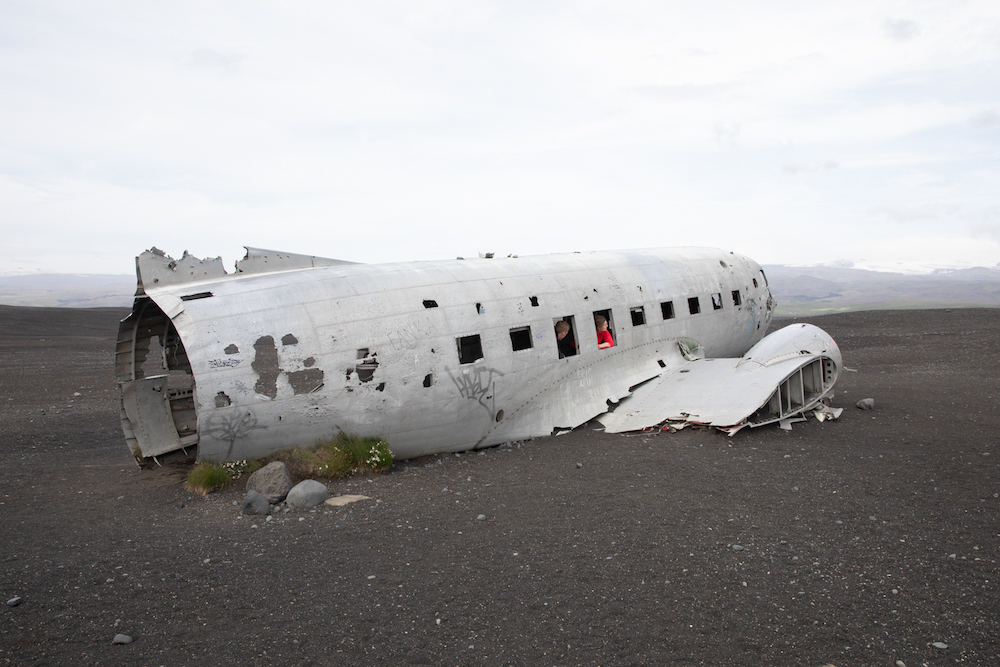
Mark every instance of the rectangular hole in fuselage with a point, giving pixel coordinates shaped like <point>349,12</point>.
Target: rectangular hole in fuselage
<point>667,309</point>
<point>470,348</point>
<point>520,338</point>
<point>565,328</point>
<point>638,316</point>
<point>430,303</point>
<point>717,301</point>
<point>606,316</point>
<point>694,306</point>
<point>737,299</point>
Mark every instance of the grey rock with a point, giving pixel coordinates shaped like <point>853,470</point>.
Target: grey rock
<point>272,481</point>
<point>307,493</point>
<point>738,547</point>
<point>13,602</point>
<point>255,503</point>
<point>481,517</point>
<point>866,404</point>
<point>121,639</point>
<point>939,645</point>
<point>579,465</point>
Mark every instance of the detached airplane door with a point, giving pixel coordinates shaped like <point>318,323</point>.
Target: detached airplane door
<point>146,402</point>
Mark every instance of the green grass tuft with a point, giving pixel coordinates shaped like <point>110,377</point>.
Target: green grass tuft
<point>363,454</point>
<point>207,477</point>
<point>336,457</point>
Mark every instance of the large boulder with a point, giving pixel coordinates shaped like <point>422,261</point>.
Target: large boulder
<point>307,493</point>
<point>256,503</point>
<point>272,481</point>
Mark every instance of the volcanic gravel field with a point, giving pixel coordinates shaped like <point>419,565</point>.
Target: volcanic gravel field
<point>865,541</point>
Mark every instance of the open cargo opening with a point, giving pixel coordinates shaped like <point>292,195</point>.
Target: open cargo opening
<point>155,383</point>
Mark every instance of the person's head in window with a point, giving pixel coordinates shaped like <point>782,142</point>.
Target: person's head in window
<point>564,339</point>
<point>604,339</point>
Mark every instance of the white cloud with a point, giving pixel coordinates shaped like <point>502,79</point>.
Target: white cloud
<point>384,131</point>
<point>986,119</point>
<point>900,29</point>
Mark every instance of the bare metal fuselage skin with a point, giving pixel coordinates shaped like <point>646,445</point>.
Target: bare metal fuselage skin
<point>439,356</point>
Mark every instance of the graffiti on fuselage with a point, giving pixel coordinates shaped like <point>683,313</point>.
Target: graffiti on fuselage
<point>231,426</point>
<point>477,384</point>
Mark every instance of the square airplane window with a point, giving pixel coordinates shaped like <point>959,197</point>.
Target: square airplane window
<point>638,316</point>
<point>520,338</point>
<point>470,348</point>
<point>694,306</point>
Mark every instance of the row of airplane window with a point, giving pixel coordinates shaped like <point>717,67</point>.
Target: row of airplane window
<point>470,348</point>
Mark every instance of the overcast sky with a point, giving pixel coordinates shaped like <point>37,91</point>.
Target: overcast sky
<point>792,132</point>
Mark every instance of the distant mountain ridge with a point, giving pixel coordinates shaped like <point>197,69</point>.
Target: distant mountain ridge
<point>67,290</point>
<point>798,290</point>
<point>823,289</point>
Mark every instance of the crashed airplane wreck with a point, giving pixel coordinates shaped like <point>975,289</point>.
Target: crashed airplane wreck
<point>454,355</point>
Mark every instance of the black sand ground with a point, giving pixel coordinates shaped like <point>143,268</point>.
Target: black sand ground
<point>865,541</point>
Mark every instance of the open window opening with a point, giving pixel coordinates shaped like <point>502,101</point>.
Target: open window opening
<point>565,327</point>
<point>737,299</point>
<point>604,322</point>
<point>428,380</point>
<point>667,310</point>
<point>755,283</point>
<point>638,316</point>
<point>764,276</point>
<point>470,348</point>
<point>717,301</point>
<point>534,301</point>
<point>430,303</point>
<point>520,338</point>
<point>694,305</point>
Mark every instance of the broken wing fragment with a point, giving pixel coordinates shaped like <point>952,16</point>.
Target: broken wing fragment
<point>786,374</point>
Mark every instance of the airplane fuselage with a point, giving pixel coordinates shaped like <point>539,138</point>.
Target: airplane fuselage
<point>432,356</point>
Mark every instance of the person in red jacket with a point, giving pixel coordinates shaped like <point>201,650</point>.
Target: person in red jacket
<point>604,339</point>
